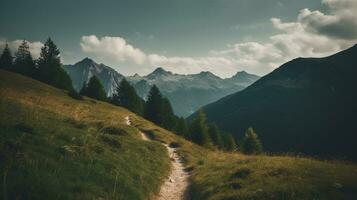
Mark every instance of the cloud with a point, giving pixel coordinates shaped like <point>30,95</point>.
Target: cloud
<point>35,47</point>
<point>117,49</point>
<point>112,47</point>
<point>313,34</point>
<point>341,23</point>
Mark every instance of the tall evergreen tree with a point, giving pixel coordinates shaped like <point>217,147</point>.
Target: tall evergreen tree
<point>24,63</point>
<point>127,97</point>
<point>215,135</point>
<point>181,128</point>
<point>94,89</point>
<point>251,142</point>
<point>6,58</point>
<point>153,106</point>
<point>167,114</point>
<point>50,68</point>
<point>158,109</point>
<point>199,130</point>
<point>229,142</point>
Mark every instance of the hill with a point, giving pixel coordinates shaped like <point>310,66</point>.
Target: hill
<point>187,93</point>
<point>307,105</point>
<point>55,147</point>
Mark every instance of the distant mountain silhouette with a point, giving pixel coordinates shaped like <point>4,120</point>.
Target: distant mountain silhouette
<point>187,93</point>
<point>306,105</point>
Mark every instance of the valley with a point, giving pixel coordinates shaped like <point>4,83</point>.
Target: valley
<point>178,100</point>
<point>85,149</point>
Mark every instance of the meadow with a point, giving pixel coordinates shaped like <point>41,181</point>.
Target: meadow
<point>56,147</point>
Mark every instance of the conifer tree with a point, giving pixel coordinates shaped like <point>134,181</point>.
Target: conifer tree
<point>229,142</point>
<point>50,68</point>
<point>127,97</point>
<point>24,63</point>
<point>153,106</point>
<point>168,116</point>
<point>6,58</point>
<point>94,89</point>
<point>251,142</point>
<point>215,135</point>
<point>181,127</point>
<point>199,130</point>
<point>158,109</point>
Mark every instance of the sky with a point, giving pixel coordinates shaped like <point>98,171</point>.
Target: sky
<point>182,36</point>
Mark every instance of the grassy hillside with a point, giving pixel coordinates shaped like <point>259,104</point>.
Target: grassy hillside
<point>230,176</point>
<point>54,147</point>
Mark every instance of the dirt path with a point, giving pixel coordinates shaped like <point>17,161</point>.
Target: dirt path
<point>175,186</point>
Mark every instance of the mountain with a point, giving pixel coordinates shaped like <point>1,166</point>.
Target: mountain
<point>82,71</point>
<point>55,147</point>
<point>186,93</point>
<point>243,78</point>
<point>306,105</point>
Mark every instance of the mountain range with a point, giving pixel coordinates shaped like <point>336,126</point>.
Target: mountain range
<point>187,93</point>
<point>307,105</point>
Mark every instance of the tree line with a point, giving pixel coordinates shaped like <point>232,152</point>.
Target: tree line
<point>47,68</point>
<point>157,108</point>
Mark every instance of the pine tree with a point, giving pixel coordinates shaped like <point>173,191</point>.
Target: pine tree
<point>24,63</point>
<point>153,106</point>
<point>6,59</point>
<point>158,109</point>
<point>251,142</point>
<point>94,89</point>
<point>215,135</point>
<point>199,130</point>
<point>50,68</point>
<point>127,97</point>
<point>181,128</point>
<point>229,142</point>
<point>168,116</point>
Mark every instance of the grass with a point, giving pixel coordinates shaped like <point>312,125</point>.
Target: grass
<point>229,176</point>
<point>56,147</point>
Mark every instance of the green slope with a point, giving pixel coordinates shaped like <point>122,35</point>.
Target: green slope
<point>307,105</point>
<point>54,147</point>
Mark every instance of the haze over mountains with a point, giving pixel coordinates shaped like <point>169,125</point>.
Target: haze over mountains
<point>307,105</point>
<point>187,93</point>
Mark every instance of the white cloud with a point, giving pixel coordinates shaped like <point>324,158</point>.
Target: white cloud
<point>313,34</point>
<point>340,23</point>
<point>113,48</point>
<point>35,47</point>
<point>117,49</point>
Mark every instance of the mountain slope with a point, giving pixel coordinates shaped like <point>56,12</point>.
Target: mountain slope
<point>55,147</point>
<point>306,105</point>
<point>82,71</point>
